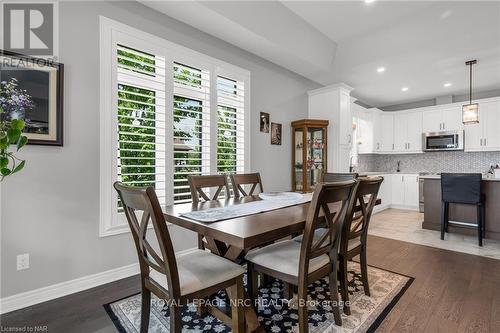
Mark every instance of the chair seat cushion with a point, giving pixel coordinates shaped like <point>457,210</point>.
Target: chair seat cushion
<point>284,257</point>
<point>353,243</point>
<point>199,270</point>
<point>317,234</point>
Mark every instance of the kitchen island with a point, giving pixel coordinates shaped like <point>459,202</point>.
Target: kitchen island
<point>459,212</point>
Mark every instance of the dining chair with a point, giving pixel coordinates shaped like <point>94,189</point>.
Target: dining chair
<point>178,279</point>
<point>239,180</point>
<point>339,177</point>
<point>198,183</point>
<point>355,235</point>
<point>300,264</point>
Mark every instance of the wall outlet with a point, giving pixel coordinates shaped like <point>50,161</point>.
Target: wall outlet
<point>23,261</point>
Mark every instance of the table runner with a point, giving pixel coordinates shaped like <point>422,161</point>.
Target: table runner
<point>244,209</point>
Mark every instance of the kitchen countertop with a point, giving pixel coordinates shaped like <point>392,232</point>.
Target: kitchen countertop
<point>486,178</point>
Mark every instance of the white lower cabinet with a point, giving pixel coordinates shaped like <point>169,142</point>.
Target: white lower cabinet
<point>405,191</point>
<point>398,190</point>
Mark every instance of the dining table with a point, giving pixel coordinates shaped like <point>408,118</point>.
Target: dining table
<point>231,238</point>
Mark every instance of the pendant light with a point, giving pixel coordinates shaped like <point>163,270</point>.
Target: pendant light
<point>470,112</point>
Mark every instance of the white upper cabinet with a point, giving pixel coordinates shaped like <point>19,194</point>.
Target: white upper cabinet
<point>386,133</point>
<point>414,132</point>
<point>484,136</point>
<point>365,136</point>
<point>408,132</point>
<point>452,119</point>
<point>432,121</point>
<point>442,119</point>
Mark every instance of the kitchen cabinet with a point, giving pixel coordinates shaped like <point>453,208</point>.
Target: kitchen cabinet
<point>408,132</point>
<point>384,193</point>
<point>365,135</point>
<point>404,191</point>
<point>386,133</point>
<point>485,135</point>
<point>442,119</point>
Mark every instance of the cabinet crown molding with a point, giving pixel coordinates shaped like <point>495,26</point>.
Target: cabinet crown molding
<point>338,86</point>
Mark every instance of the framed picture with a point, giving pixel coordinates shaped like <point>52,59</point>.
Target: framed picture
<point>264,122</point>
<point>41,81</point>
<point>275,134</point>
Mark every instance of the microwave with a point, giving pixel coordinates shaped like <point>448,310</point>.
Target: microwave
<point>436,141</point>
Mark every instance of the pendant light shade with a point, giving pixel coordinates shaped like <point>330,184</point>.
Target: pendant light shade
<point>470,112</point>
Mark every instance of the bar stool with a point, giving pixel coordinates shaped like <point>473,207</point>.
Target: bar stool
<point>462,188</point>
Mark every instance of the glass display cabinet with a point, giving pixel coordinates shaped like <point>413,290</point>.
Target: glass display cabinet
<point>309,137</point>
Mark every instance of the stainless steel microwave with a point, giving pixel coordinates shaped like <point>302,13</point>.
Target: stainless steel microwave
<point>436,141</point>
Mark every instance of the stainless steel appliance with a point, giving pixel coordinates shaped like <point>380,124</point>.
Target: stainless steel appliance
<point>421,199</point>
<point>436,141</point>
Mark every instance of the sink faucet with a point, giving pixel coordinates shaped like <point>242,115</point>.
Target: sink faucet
<point>399,167</point>
<point>351,165</point>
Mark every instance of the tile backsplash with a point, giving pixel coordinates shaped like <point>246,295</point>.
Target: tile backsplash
<point>443,161</point>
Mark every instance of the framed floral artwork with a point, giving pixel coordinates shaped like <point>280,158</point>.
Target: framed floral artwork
<point>31,89</point>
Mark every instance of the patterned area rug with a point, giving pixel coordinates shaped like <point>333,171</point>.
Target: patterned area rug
<point>279,315</point>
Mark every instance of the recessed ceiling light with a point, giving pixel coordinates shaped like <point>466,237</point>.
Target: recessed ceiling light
<point>404,89</point>
<point>447,84</point>
<point>369,1</point>
<point>381,69</point>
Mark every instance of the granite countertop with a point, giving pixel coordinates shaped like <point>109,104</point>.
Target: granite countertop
<point>486,178</point>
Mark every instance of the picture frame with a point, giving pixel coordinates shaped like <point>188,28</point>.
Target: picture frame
<point>43,80</point>
<point>276,133</point>
<point>264,122</point>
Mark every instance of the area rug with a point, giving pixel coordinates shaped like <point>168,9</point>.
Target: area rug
<point>279,315</point>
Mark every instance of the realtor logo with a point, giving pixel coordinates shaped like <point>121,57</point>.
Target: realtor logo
<point>29,28</point>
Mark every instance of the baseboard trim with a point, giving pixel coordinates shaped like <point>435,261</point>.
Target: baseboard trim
<point>44,294</point>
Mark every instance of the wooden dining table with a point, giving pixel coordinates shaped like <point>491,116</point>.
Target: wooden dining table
<point>232,238</point>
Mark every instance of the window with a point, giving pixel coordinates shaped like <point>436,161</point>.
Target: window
<point>167,112</point>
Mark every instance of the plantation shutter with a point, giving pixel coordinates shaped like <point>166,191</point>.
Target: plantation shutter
<point>230,126</point>
<point>191,125</point>
<point>141,120</point>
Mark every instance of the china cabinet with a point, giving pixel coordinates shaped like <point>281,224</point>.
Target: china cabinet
<point>308,153</point>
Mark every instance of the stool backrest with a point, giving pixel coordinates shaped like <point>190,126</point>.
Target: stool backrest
<point>461,188</point>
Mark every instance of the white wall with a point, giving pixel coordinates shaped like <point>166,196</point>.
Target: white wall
<point>51,209</point>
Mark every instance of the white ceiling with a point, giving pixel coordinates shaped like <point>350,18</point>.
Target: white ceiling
<point>421,44</point>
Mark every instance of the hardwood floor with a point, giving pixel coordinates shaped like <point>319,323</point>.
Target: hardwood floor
<point>452,292</point>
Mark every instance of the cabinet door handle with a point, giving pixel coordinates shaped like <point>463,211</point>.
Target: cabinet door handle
<point>481,141</point>
<point>444,125</point>
<point>393,146</point>
<point>485,141</point>
<point>378,145</point>
<point>408,145</point>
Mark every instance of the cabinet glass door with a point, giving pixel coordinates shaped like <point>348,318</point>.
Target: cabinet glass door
<point>315,158</point>
<point>299,159</point>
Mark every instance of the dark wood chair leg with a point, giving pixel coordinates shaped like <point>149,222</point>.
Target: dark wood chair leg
<point>443,219</point>
<point>237,308</point>
<point>302,309</point>
<point>364,270</point>
<point>479,226</point>
<point>334,296</point>
<point>343,285</point>
<point>287,290</point>
<point>252,283</point>
<point>175,319</point>
<point>145,309</point>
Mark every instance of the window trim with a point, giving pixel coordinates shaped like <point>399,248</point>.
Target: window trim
<point>111,33</point>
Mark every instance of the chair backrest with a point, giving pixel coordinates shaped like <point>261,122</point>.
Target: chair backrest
<point>338,177</point>
<point>331,203</point>
<point>198,183</point>
<point>357,225</point>
<point>144,199</point>
<point>461,187</point>
<point>246,179</point>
